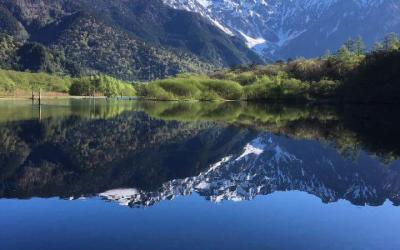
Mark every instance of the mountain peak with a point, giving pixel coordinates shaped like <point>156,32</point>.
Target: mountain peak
<point>281,29</point>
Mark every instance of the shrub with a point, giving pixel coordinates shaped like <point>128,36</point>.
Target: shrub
<point>81,87</point>
<point>264,80</point>
<point>14,80</point>
<point>154,91</point>
<point>180,87</point>
<point>105,85</point>
<point>209,96</point>
<point>256,91</point>
<point>323,88</point>
<point>306,70</point>
<point>246,78</point>
<point>193,87</point>
<point>225,89</point>
<point>276,89</point>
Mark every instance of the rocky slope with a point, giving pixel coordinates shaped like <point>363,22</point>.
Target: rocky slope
<point>282,29</point>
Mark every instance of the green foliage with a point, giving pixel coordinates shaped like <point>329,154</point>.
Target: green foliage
<point>77,40</point>
<point>8,49</point>
<point>104,85</point>
<point>318,79</point>
<point>180,87</point>
<point>359,46</point>
<point>333,77</point>
<point>225,89</point>
<point>257,91</point>
<point>307,70</point>
<point>82,87</point>
<point>377,79</point>
<point>245,78</point>
<point>391,42</point>
<point>191,87</point>
<point>10,24</point>
<point>35,57</point>
<point>154,91</point>
<point>10,81</point>
<point>276,88</point>
<point>112,87</point>
<point>323,89</point>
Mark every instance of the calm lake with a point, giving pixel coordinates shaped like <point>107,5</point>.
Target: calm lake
<point>96,174</point>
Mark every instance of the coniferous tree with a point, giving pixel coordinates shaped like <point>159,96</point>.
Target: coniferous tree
<point>359,46</point>
<point>378,47</point>
<point>343,53</point>
<point>391,42</point>
<point>350,45</point>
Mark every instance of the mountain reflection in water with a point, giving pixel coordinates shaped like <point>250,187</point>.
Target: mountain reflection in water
<point>141,153</point>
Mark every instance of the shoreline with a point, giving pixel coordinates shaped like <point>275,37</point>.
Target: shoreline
<point>322,102</point>
<point>24,98</point>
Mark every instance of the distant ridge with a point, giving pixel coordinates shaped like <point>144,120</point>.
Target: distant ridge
<point>280,29</point>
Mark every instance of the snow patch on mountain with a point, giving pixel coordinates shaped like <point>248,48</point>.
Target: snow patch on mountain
<point>252,42</point>
<point>223,28</point>
<point>256,147</point>
<point>123,196</point>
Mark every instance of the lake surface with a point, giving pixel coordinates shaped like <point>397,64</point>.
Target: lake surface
<point>96,174</point>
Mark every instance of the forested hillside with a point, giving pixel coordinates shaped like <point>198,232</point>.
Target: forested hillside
<point>130,40</point>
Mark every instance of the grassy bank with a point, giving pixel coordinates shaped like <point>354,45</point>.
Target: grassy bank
<point>14,82</point>
<point>191,87</point>
<point>20,84</point>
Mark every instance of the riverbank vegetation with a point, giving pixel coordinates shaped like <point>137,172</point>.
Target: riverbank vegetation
<point>349,75</point>
<point>13,83</point>
<point>191,87</point>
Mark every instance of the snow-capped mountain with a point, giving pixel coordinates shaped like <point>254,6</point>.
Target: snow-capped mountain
<point>270,163</point>
<point>290,28</point>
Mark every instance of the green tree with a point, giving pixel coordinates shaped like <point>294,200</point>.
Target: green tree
<point>391,42</point>
<point>350,45</point>
<point>81,87</point>
<point>36,57</point>
<point>378,47</point>
<point>343,53</point>
<point>359,46</point>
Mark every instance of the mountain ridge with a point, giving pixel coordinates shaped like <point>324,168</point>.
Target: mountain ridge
<point>282,29</point>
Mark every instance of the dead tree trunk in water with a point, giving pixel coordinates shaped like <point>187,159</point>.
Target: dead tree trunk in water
<point>40,97</point>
